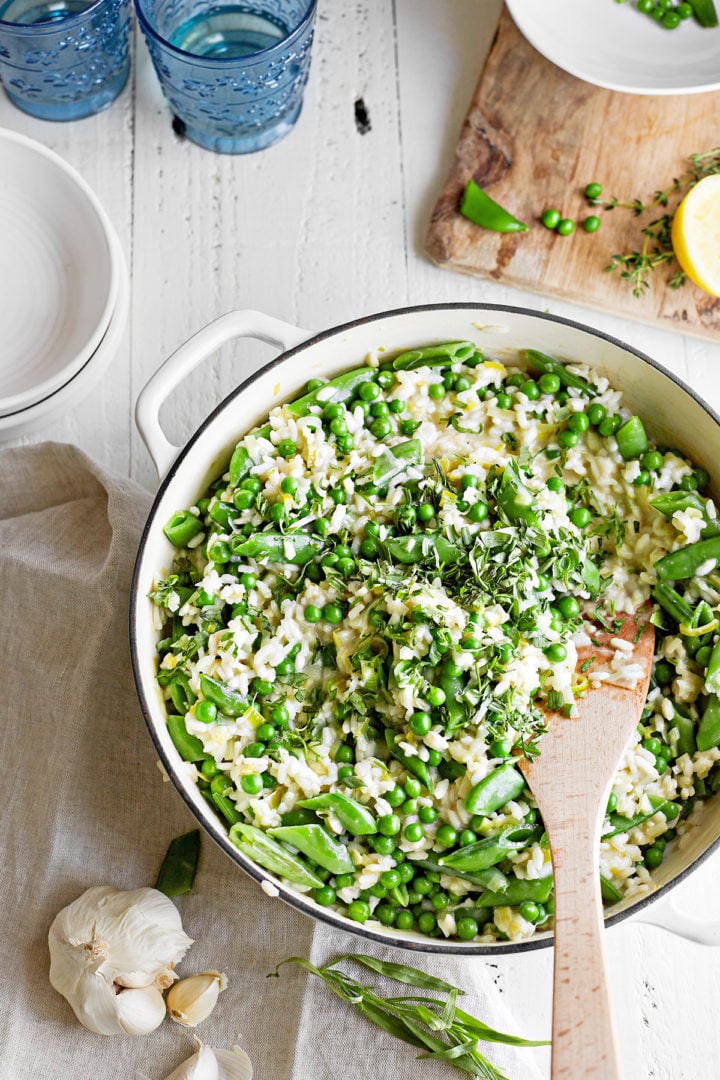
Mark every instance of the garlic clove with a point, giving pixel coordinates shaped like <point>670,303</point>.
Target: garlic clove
<point>234,1064</point>
<point>110,938</point>
<point>203,1065</point>
<point>191,1000</point>
<point>140,1010</point>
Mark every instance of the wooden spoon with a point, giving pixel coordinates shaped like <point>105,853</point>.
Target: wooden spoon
<point>571,781</point>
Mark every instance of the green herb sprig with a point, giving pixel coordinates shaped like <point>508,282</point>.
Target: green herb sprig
<point>435,1025</point>
<point>656,250</point>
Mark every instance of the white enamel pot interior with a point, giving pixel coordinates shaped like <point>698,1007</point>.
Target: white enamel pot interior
<point>673,413</point>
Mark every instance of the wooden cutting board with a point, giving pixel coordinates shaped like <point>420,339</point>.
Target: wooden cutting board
<point>533,138</point>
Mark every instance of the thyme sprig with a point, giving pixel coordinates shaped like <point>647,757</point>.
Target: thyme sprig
<point>435,1025</point>
<point>656,250</point>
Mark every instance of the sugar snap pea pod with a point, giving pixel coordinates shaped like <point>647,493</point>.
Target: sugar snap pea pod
<point>182,527</point>
<point>412,762</point>
<point>539,361</point>
<point>620,824</point>
<point>515,499</point>
<point>228,701</point>
<point>300,817</point>
<point>477,206</point>
<point>698,631</point>
<point>271,855</point>
<point>671,601</point>
<point>179,866</point>
<point>317,843</point>
<point>708,734</point>
<point>395,460</point>
<point>684,563</point>
<point>495,790</point>
<point>609,892</point>
<point>240,464</point>
<point>519,890</point>
<point>492,878</point>
<point>188,746</point>
<point>453,686</point>
<point>227,807</point>
<point>632,440</point>
<point>353,816</point>
<point>415,547</point>
<point>399,895</point>
<point>451,352</point>
<point>490,850</point>
<point>712,675</point>
<point>673,501</point>
<point>704,11</point>
<point>296,548</point>
<point>685,727</point>
<point>343,388</point>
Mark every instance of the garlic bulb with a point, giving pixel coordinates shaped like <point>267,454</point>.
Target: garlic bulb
<point>207,1064</point>
<point>193,999</point>
<point>111,939</point>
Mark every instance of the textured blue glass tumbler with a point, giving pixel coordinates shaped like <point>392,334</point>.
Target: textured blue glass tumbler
<point>233,73</point>
<point>64,59</point>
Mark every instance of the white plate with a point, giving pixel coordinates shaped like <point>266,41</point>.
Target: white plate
<point>615,46</point>
<point>67,396</point>
<point>59,272</point>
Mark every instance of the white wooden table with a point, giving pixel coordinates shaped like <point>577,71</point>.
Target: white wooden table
<point>321,228</point>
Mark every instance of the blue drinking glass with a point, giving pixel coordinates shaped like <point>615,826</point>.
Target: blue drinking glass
<point>232,73</point>
<point>64,59</point>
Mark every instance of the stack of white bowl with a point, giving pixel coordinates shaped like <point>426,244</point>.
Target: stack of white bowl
<point>63,286</point>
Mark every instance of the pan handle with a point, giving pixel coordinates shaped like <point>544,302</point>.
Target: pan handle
<point>664,913</point>
<point>234,324</point>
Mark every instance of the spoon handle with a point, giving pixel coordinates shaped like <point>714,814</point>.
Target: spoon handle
<point>583,1037</point>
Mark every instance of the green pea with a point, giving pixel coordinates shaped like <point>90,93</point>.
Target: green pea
<point>389,824</point>
<point>381,428</point>
<point>384,845</point>
<point>413,787</point>
<point>653,460</point>
<point>446,836</point>
<point>568,607</point>
<point>345,754</point>
<point>642,479</point>
<point>345,443</point>
<point>434,757</point>
<point>580,517</point>
<point>467,928</point>
<point>479,511</point>
<point>255,750</point>
<point>325,896</point>
<point>567,438</point>
<point>578,422</point>
<point>592,223</point>
<point>359,910</point>
<point>556,652</point>
<point>409,427</point>
<point>345,881</point>
<point>209,768</point>
<point>277,513</point>
<point>414,832</point>
<point>287,448</point>
<point>206,712</point>
<point>467,836</point>
<point>251,783</point>
<point>266,732</point>
<point>551,218</point>
<point>549,383</point>
<point>593,190</point>
<point>609,425</point>
<point>380,409</point>
<point>427,814</point>
<point>531,390</point>
<point>435,696</point>
<point>440,900</point>
<point>280,715</point>
<point>530,911</point>
<point>566,226</point>
<point>501,748</point>
<point>653,857</point>
<point>394,796</point>
<point>333,614</point>
<point>425,512</point>
<point>262,687</point>
<point>596,413</point>
<point>503,401</point>
<point>420,723</point>
<point>243,500</point>
<point>427,922</point>
<point>653,745</point>
<point>404,920</point>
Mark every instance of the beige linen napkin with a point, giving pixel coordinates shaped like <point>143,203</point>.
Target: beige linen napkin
<point>84,803</point>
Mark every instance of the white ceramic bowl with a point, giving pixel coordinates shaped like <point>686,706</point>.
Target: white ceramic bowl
<point>35,417</point>
<point>673,413</point>
<point>613,46</point>
<point>59,272</point>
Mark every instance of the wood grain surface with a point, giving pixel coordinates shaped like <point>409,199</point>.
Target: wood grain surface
<point>533,137</point>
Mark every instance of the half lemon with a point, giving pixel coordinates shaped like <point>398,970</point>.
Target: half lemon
<point>696,234</point>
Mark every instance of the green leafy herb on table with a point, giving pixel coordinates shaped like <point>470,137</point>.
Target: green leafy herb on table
<point>656,250</point>
<point>177,873</point>
<point>435,1025</point>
